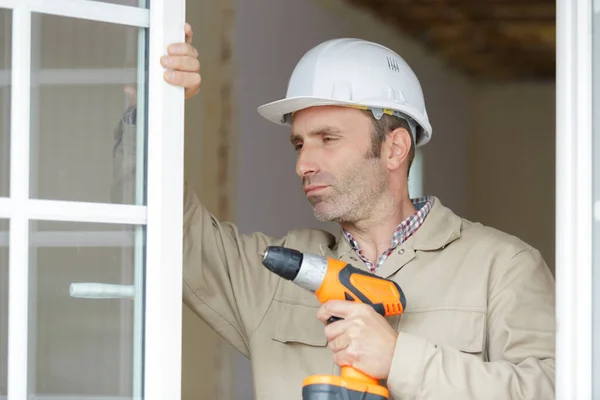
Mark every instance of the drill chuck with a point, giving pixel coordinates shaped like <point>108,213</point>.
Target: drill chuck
<point>305,270</point>
<point>283,261</point>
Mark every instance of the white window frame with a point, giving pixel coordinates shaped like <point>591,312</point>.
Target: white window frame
<point>162,216</point>
<point>574,209</point>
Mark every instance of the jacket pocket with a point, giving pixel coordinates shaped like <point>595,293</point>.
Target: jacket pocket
<point>297,324</point>
<point>462,329</point>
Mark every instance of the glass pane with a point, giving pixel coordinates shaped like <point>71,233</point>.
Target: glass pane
<point>84,144</point>
<point>85,326</point>
<point>5,67</point>
<point>596,200</point>
<point>132,3</point>
<point>3,307</point>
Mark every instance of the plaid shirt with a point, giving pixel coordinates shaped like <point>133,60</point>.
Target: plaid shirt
<point>401,233</point>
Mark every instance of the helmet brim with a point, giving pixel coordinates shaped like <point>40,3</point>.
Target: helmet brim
<point>277,111</point>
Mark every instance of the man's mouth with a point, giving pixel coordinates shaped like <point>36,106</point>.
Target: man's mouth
<point>313,189</point>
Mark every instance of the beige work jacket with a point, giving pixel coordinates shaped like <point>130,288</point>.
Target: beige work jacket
<point>479,321</point>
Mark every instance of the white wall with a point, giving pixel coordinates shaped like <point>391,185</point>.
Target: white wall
<point>270,38</point>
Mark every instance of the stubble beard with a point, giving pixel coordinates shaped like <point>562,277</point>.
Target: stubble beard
<point>354,196</point>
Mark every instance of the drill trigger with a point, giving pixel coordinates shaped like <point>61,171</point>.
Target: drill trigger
<point>332,318</point>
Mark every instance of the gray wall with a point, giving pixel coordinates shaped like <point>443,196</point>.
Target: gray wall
<point>512,151</point>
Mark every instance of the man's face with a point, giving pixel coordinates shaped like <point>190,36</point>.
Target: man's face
<point>339,176</point>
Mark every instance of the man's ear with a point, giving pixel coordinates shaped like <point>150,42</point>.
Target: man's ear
<point>399,148</point>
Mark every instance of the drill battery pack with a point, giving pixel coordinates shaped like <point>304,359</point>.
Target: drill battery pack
<point>329,392</point>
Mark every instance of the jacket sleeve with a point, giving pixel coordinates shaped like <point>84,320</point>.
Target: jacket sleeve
<point>224,281</point>
<point>521,349</point>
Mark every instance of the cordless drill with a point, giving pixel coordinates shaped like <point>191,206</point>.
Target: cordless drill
<point>331,279</point>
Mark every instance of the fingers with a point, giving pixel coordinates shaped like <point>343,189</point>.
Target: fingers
<point>189,33</point>
<point>338,328</point>
<point>345,357</point>
<point>181,63</point>
<point>332,308</point>
<point>340,308</point>
<point>192,91</point>
<point>339,343</point>
<point>185,79</point>
<point>182,49</point>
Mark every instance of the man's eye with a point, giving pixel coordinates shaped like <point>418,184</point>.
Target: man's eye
<point>297,146</point>
<point>329,139</point>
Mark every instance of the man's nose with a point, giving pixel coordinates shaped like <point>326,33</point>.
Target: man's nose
<point>306,163</point>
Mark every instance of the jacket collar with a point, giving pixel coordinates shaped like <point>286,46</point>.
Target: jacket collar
<point>440,228</point>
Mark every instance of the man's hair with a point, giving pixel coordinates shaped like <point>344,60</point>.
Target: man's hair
<point>382,127</point>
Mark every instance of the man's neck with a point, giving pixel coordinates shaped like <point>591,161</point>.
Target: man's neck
<point>374,235</point>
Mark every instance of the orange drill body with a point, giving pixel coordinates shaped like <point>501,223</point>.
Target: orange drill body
<point>331,279</point>
<point>346,282</point>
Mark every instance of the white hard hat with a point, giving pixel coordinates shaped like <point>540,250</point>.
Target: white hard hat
<point>356,73</point>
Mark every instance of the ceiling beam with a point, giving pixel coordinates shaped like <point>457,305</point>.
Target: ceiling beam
<point>486,38</point>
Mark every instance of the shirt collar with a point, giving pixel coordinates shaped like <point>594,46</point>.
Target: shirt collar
<point>441,228</point>
<point>402,232</point>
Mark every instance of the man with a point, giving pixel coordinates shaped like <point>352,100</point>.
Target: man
<point>479,321</point>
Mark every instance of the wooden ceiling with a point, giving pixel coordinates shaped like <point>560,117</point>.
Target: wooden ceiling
<point>488,39</point>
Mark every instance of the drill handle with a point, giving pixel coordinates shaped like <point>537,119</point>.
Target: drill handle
<point>348,372</point>
<point>379,308</point>
<point>384,295</point>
